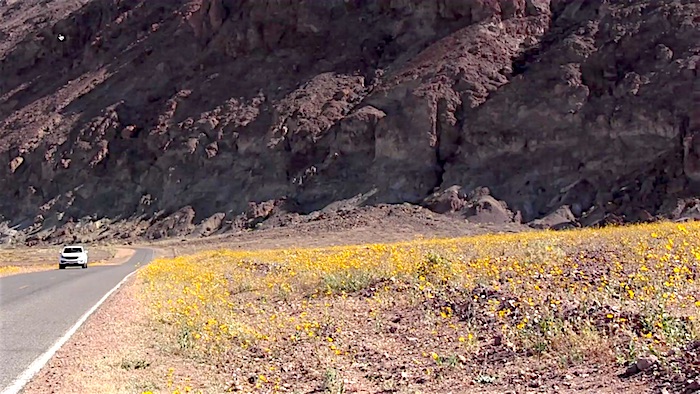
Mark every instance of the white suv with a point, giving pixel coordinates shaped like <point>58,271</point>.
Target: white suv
<point>73,255</point>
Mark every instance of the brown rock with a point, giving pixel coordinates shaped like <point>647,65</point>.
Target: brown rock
<point>210,225</point>
<point>128,132</point>
<point>217,13</point>
<point>692,386</point>
<point>212,149</point>
<point>641,365</point>
<point>240,101</point>
<point>497,340</point>
<point>449,200</point>
<point>15,163</point>
<point>486,209</point>
<point>558,219</point>
<point>175,225</point>
<point>664,53</point>
<point>645,363</point>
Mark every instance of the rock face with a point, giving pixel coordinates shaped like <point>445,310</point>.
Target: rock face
<point>177,224</point>
<point>559,219</point>
<point>477,206</point>
<point>177,115</point>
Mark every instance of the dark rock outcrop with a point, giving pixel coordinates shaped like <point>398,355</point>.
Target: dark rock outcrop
<point>199,107</point>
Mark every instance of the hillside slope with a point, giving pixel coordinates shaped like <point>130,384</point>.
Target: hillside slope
<point>165,115</point>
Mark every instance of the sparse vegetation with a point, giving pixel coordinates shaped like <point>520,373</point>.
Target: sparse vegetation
<point>18,260</point>
<point>430,311</point>
<point>134,363</point>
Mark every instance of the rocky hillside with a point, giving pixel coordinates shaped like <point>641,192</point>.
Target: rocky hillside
<point>131,117</point>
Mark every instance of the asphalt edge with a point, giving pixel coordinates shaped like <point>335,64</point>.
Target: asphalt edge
<point>28,374</point>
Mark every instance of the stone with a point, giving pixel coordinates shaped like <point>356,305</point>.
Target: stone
<point>645,363</point>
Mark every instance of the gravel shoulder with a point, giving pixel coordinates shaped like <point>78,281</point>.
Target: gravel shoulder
<point>113,352</point>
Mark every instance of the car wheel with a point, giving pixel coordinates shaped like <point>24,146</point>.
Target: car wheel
<point>61,266</point>
<point>84,265</point>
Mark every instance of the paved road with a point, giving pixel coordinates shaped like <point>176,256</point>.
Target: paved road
<point>37,309</point>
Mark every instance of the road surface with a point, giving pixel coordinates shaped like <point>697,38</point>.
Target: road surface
<point>38,309</point>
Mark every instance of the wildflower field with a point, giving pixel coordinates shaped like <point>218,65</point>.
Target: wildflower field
<point>430,314</point>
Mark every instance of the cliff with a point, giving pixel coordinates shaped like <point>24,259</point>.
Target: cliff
<point>180,117</point>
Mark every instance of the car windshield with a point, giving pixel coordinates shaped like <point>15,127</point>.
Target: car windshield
<point>72,250</point>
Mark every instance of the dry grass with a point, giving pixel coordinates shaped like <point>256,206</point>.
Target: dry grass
<point>426,314</point>
<point>23,260</point>
<point>7,270</point>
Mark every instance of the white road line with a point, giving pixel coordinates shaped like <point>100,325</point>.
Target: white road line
<point>40,361</point>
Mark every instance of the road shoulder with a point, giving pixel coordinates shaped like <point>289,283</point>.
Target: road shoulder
<point>115,351</point>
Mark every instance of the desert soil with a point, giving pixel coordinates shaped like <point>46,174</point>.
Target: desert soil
<point>22,259</point>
